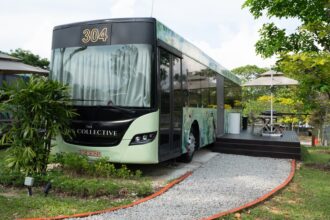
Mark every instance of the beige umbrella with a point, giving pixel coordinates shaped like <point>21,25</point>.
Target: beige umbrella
<point>271,78</point>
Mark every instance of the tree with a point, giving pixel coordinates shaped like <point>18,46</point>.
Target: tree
<point>312,35</point>
<point>246,73</point>
<point>29,58</point>
<point>303,54</point>
<point>40,111</point>
<point>312,70</point>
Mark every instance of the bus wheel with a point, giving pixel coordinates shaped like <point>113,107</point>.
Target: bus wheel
<point>191,147</point>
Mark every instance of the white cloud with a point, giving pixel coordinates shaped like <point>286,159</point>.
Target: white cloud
<point>238,50</point>
<point>122,8</point>
<point>40,41</point>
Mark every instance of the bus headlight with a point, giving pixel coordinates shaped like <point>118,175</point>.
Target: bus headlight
<point>143,138</point>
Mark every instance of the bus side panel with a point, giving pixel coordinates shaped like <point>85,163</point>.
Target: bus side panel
<point>206,118</point>
<point>123,152</point>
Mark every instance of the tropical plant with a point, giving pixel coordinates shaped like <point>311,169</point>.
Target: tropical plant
<point>40,111</point>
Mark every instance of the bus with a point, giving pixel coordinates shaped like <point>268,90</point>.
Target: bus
<point>143,93</point>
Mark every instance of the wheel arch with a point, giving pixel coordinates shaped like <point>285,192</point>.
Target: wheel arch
<point>195,128</point>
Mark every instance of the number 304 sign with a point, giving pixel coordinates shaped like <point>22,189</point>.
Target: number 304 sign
<point>95,35</point>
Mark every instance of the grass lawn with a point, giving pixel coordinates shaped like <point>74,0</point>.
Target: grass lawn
<point>69,195</point>
<point>16,204</point>
<point>306,197</point>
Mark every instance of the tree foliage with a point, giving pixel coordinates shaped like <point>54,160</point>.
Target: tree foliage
<point>312,70</point>
<point>29,58</point>
<point>312,35</point>
<point>280,104</point>
<point>40,111</point>
<point>248,72</point>
<point>303,54</point>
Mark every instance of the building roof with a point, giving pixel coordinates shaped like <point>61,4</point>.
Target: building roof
<point>7,57</point>
<point>13,65</point>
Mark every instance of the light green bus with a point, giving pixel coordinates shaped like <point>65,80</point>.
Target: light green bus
<point>143,93</point>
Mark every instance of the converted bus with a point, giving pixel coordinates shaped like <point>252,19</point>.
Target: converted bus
<point>143,94</point>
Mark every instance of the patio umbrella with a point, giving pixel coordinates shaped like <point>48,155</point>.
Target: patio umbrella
<point>271,78</point>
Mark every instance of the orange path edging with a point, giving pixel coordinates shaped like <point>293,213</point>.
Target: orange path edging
<point>258,200</point>
<point>86,214</point>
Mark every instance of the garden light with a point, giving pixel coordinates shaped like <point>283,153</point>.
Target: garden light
<point>47,188</point>
<point>28,181</point>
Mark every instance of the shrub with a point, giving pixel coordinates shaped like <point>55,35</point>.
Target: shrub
<point>88,184</point>
<point>40,111</point>
<point>144,189</point>
<point>124,172</point>
<point>102,168</point>
<point>84,187</point>
<point>77,164</point>
<point>138,173</point>
<point>79,186</point>
<point>11,178</point>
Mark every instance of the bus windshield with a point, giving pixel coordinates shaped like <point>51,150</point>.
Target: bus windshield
<point>117,75</point>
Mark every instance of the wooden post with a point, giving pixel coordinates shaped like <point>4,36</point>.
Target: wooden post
<point>313,140</point>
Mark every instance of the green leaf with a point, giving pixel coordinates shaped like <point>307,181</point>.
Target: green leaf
<point>34,109</point>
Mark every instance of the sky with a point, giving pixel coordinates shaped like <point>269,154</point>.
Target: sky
<point>221,28</point>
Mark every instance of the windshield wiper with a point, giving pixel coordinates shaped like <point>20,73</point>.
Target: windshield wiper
<point>74,53</point>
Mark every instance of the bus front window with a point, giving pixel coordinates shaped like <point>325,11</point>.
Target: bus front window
<point>118,75</point>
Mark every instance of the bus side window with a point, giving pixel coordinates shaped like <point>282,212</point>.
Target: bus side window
<point>185,93</point>
<point>213,90</point>
<point>194,71</point>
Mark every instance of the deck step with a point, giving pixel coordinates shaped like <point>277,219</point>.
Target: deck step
<point>257,141</point>
<point>258,153</point>
<point>259,146</point>
<point>287,146</point>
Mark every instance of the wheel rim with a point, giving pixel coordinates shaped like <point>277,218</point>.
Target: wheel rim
<point>191,144</point>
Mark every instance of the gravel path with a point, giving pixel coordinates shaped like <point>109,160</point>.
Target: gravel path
<point>225,182</point>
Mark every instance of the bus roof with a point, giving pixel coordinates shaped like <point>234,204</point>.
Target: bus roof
<point>170,37</point>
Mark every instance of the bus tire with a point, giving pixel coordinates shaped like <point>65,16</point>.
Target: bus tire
<point>192,146</point>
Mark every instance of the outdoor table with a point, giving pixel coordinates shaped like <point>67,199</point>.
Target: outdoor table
<point>266,124</point>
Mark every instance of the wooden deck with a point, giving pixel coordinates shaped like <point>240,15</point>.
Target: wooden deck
<point>245,143</point>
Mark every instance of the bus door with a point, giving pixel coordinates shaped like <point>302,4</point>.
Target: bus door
<point>170,120</point>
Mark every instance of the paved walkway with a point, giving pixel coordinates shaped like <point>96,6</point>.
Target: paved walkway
<point>225,182</point>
